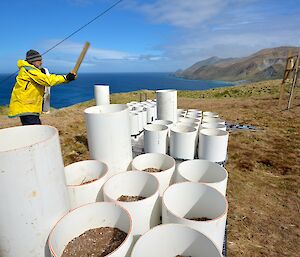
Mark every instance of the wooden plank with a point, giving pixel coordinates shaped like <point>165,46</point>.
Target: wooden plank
<point>81,57</point>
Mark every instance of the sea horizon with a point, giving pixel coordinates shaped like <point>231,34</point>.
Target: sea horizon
<point>82,89</point>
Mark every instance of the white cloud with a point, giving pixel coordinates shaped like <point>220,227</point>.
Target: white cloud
<point>224,28</point>
<point>65,55</point>
<point>74,48</point>
<point>181,13</point>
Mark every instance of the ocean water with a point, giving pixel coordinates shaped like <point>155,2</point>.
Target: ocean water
<point>82,89</point>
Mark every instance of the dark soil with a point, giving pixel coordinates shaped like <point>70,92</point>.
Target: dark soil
<point>182,256</point>
<point>98,242</point>
<point>200,219</point>
<point>130,198</point>
<point>152,170</point>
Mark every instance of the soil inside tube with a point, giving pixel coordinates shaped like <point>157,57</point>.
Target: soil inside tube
<point>153,170</point>
<point>98,242</point>
<point>130,198</point>
<point>200,219</point>
<point>89,181</point>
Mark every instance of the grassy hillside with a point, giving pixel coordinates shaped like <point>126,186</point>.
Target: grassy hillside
<point>263,166</point>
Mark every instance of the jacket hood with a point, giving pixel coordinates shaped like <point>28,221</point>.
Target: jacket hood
<point>23,63</point>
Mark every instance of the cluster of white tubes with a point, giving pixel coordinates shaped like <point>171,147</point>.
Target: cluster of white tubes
<point>141,114</point>
<point>39,204</point>
<point>193,134</point>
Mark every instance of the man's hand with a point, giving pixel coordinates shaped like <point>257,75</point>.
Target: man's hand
<point>71,76</point>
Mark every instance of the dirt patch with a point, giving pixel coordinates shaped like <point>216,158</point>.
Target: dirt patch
<point>98,242</point>
<point>130,198</point>
<point>152,170</point>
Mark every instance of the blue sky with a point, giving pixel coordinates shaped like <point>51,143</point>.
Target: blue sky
<point>144,35</point>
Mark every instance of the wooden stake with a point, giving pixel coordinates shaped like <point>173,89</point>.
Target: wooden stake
<point>285,76</point>
<point>80,58</point>
<point>295,79</point>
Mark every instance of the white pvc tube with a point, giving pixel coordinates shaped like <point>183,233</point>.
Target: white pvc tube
<point>213,120</point>
<point>159,161</point>
<point>203,171</point>
<point>167,105</point>
<point>207,125</point>
<point>193,115</point>
<point>108,131</point>
<point>150,113</point>
<point>211,114</point>
<point>140,119</point>
<point>167,123</point>
<point>170,240</point>
<point>101,93</point>
<point>143,111</point>
<point>156,139</point>
<point>189,124</point>
<point>189,120</point>
<point>145,213</point>
<point>188,200</point>
<point>134,123</point>
<point>32,185</point>
<point>194,110</point>
<point>183,141</point>
<point>84,181</point>
<point>213,145</point>
<point>91,216</point>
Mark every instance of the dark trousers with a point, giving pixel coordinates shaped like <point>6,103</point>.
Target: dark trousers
<point>30,120</point>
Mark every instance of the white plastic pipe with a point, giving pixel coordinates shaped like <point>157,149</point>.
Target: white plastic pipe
<point>159,161</point>
<point>33,195</point>
<point>170,240</point>
<point>84,181</point>
<point>150,113</point>
<point>189,124</point>
<point>101,93</point>
<point>189,200</point>
<point>189,120</point>
<point>143,111</point>
<point>213,120</point>
<point>193,115</point>
<point>207,125</point>
<point>167,123</point>
<point>183,141</point>
<point>210,114</point>
<point>145,213</point>
<point>213,145</point>
<point>91,216</point>
<point>166,105</point>
<point>203,171</point>
<point>140,120</point>
<point>108,131</point>
<point>134,123</point>
<point>156,139</point>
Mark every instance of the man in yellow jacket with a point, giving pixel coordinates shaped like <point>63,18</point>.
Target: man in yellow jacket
<point>27,95</point>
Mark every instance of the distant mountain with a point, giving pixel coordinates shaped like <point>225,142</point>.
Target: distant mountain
<point>264,64</point>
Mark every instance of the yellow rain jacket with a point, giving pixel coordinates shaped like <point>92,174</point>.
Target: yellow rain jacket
<point>28,92</point>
